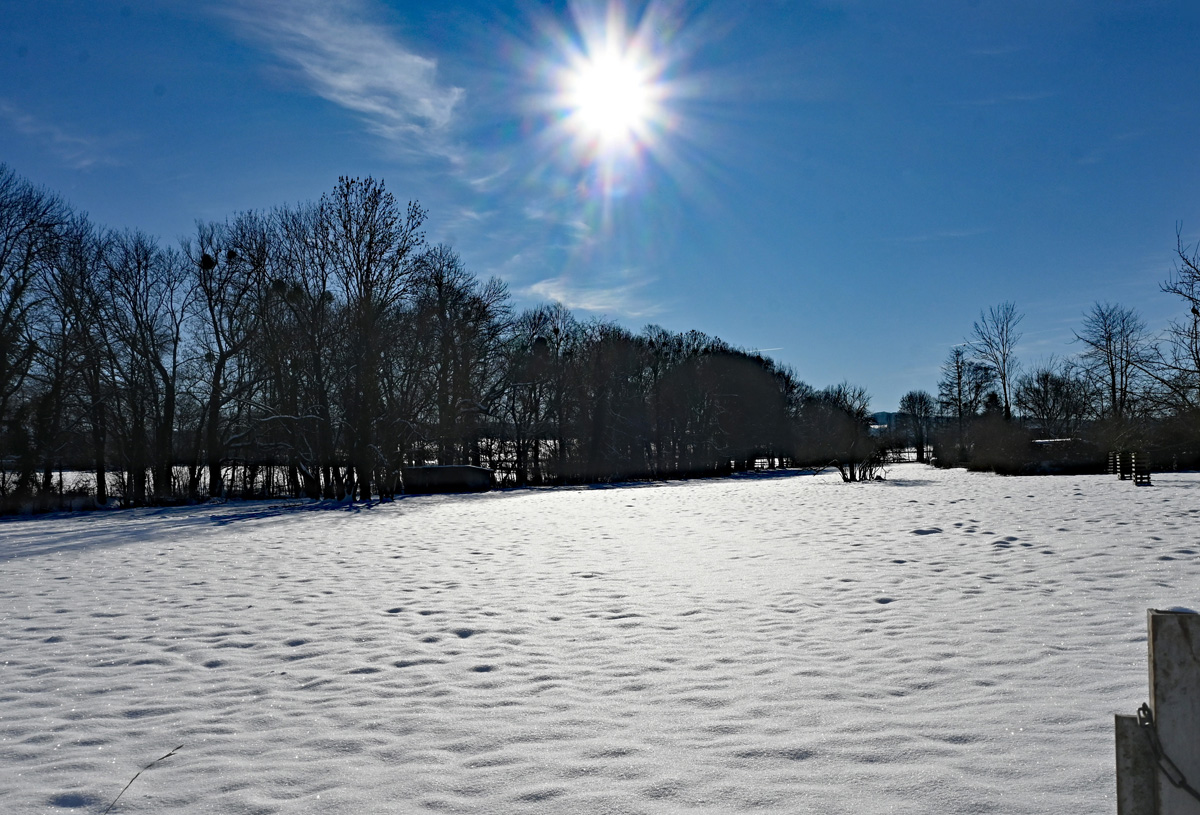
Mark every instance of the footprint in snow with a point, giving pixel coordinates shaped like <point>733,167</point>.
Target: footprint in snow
<point>74,800</point>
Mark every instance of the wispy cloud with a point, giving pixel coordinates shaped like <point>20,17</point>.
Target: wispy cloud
<point>944,234</point>
<point>1008,99</point>
<point>486,182</point>
<point>76,151</point>
<point>613,298</point>
<point>471,215</point>
<point>1098,154</point>
<point>347,55</point>
<point>997,50</point>
<point>581,231</point>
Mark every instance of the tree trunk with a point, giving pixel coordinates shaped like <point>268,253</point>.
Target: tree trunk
<point>212,438</point>
<point>164,446</point>
<point>99,439</point>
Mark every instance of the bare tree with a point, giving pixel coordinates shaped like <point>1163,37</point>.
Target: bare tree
<point>919,408</point>
<point>370,244</point>
<point>1175,366</point>
<point>147,294</point>
<point>230,267</point>
<point>1116,352</point>
<point>30,218</point>
<point>962,388</point>
<point>460,323</point>
<point>837,419</point>
<point>524,405</point>
<point>993,340</point>
<point>302,273</point>
<point>564,336</point>
<point>1055,397</point>
<point>1185,281</point>
<point>79,294</point>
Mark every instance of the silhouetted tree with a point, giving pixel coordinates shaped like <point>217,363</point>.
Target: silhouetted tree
<point>308,319</point>
<point>918,409</point>
<point>1055,397</point>
<point>836,424</point>
<point>523,405</point>
<point>370,244</point>
<point>993,340</point>
<point>961,392</point>
<point>77,290</point>
<point>147,290</point>
<point>460,324</point>
<point>229,261</point>
<point>1175,365</point>
<point>1115,341</point>
<point>30,218</point>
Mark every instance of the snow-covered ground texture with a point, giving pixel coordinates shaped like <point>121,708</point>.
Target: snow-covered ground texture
<point>941,642</point>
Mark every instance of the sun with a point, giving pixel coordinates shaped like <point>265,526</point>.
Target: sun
<point>611,98</point>
<point>609,92</point>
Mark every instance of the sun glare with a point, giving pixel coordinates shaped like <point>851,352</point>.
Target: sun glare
<point>611,92</point>
<point>611,98</point>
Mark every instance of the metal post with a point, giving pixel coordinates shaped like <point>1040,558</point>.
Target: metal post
<point>1175,703</point>
<point>1136,771</point>
<point>1158,751</point>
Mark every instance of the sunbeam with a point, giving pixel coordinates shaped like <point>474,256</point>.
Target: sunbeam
<point>610,101</point>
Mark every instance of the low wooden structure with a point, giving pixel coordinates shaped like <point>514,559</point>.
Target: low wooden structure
<point>1141,469</point>
<point>1130,466</point>
<point>447,478</point>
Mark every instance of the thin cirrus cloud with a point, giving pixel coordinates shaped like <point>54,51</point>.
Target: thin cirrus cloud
<point>997,50</point>
<point>76,151</point>
<point>616,299</point>
<point>346,55</point>
<point>943,235</point>
<point>1008,99</point>
<point>1099,154</point>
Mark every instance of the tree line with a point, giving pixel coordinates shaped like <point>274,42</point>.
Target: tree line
<point>1125,389</point>
<point>317,349</point>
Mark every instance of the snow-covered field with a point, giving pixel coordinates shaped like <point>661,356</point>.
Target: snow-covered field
<point>941,642</point>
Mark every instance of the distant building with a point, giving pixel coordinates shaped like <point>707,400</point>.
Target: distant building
<point>882,421</point>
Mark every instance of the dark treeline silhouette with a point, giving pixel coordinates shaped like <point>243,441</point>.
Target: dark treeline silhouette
<point>315,350</point>
<point>1126,390</point>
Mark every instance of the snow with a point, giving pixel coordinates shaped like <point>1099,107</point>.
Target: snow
<point>941,641</point>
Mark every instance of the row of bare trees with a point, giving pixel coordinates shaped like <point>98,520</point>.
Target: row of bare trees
<point>1125,388</point>
<point>317,349</point>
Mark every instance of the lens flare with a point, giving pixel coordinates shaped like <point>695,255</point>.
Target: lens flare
<point>610,96</point>
<point>613,106</point>
<point>612,100</point>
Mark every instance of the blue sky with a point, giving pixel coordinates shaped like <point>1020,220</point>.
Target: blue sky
<point>846,183</point>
